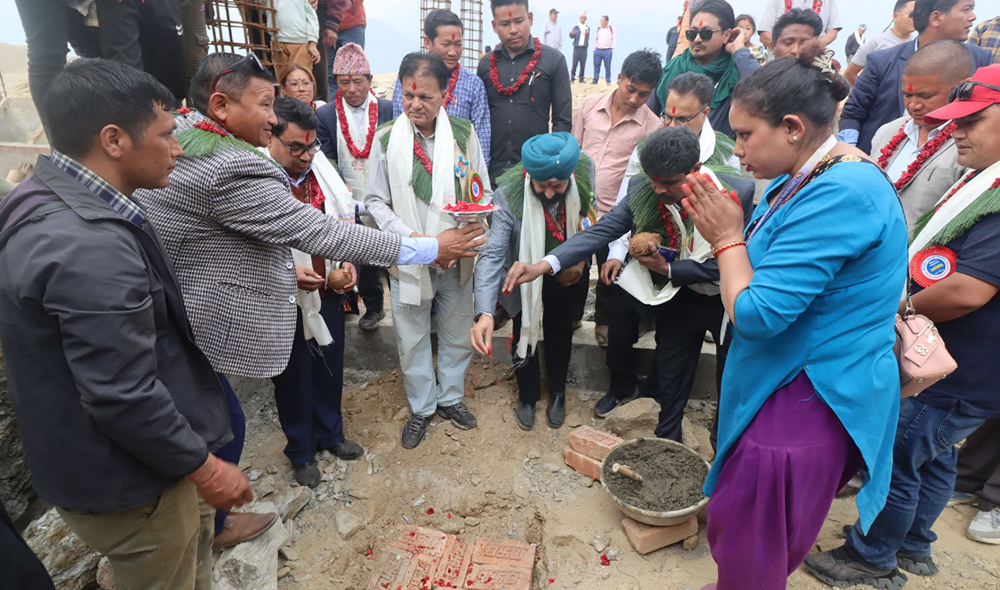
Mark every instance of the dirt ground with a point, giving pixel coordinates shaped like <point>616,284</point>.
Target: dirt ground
<point>498,482</point>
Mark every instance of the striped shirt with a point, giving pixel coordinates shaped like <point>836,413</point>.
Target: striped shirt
<point>121,204</point>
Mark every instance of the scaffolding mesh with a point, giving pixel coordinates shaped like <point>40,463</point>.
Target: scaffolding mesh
<point>242,26</point>
<point>471,13</point>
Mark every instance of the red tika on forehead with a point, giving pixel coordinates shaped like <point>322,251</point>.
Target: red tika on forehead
<point>673,110</point>
<point>510,14</point>
<point>453,36</point>
<point>909,88</point>
<point>414,86</point>
<point>701,22</point>
<point>307,137</point>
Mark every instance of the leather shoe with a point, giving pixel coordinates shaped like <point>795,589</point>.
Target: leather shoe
<point>243,526</point>
<point>306,474</point>
<point>347,450</point>
<point>525,414</point>
<point>555,414</point>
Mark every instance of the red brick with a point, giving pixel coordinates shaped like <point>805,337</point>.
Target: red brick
<point>498,577</point>
<point>418,575</point>
<point>417,539</point>
<point>508,553</point>
<point>453,563</point>
<point>592,443</point>
<point>391,569</point>
<point>582,463</point>
<point>646,539</point>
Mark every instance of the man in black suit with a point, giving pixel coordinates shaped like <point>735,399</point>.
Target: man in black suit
<point>685,292</point>
<point>344,142</point>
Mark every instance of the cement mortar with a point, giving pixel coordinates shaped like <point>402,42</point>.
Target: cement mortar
<point>673,477</point>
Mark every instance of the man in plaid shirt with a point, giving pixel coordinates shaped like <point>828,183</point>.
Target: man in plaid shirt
<point>987,36</point>
<point>443,36</point>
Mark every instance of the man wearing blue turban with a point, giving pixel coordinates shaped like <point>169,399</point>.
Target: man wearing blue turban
<point>543,200</point>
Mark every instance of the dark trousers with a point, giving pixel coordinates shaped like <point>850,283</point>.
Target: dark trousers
<point>605,56</point>
<point>49,25</point>
<point>604,295</point>
<point>557,331</point>
<point>308,392</point>
<point>147,35</point>
<point>320,69</point>
<point>579,57</point>
<point>195,39</point>
<point>20,568</point>
<point>979,465</point>
<point>627,317</point>
<point>681,324</point>
<point>370,287</point>
<point>233,450</point>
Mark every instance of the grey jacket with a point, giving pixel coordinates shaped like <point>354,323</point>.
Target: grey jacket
<point>935,177</point>
<point>503,243</point>
<point>229,222</point>
<point>114,400</point>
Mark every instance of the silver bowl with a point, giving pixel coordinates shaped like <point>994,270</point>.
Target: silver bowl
<point>464,218</point>
<point>651,517</point>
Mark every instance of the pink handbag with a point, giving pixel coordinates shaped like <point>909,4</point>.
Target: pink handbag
<point>923,358</point>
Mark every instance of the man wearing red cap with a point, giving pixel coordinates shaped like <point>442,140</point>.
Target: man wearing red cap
<point>955,267</point>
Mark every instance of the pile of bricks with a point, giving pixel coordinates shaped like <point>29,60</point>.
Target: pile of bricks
<point>425,559</point>
<point>587,447</point>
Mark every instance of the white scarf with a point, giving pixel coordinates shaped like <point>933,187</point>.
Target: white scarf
<point>357,178</point>
<point>532,249</point>
<point>415,279</point>
<point>955,205</point>
<point>636,279</point>
<point>707,141</point>
<point>338,204</point>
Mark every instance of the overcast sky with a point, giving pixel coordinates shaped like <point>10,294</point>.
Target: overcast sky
<point>637,23</point>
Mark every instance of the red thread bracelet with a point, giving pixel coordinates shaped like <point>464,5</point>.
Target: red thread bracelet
<point>214,477</point>
<point>716,252</point>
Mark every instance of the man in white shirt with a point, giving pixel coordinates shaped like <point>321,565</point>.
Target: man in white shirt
<point>855,41</point>
<point>902,30</point>
<point>827,11</point>
<point>581,40</point>
<point>552,34</point>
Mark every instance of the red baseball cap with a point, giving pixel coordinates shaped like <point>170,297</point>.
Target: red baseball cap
<point>969,97</point>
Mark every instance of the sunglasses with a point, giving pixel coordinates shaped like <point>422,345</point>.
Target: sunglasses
<point>964,90</point>
<point>251,59</point>
<point>668,119</point>
<point>706,34</point>
<point>297,150</point>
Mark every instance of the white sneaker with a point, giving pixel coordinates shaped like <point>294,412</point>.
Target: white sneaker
<point>985,527</point>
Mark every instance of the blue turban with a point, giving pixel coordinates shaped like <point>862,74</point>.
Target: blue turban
<point>552,155</point>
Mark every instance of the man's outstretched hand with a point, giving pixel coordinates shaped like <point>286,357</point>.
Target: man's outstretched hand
<point>222,484</point>
<point>521,273</point>
<point>458,242</point>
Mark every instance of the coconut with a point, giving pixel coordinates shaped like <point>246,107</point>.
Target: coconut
<point>338,280</point>
<point>644,244</point>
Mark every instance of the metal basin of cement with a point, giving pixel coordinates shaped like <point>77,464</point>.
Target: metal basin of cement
<point>650,517</point>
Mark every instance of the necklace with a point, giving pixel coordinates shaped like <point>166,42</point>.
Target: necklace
<point>817,5</point>
<point>527,71</point>
<point>315,194</point>
<point>421,154</point>
<point>673,232</point>
<point>346,131</point>
<point>558,231</point>
<point>452,81</point>
<point>929,149</point>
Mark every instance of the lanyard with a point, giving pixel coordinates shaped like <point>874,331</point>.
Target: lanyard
<point>791,187</point>
<point>794,183</point>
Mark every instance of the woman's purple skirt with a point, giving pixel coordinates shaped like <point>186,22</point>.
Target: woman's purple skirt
<point>776,488</point>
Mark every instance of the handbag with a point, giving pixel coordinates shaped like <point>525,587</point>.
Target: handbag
<point>920,351</point>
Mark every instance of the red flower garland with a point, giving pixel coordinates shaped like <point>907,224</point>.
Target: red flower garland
<point>495,76</point>
<point>817,5</point>
<point>418,151</point>
<point>964,182</point>
<point>452,81</point>
<point>929,149</point>
<point>206,125</point>
<point>345,130</point>
<point>673,232</point>
<point>316,196</point>
<point>550,224</point>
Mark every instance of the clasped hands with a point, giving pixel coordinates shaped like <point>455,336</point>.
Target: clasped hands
<point>717,215</point>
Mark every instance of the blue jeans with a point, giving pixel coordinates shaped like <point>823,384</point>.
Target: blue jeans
<point>605,56</point>
<point>351,35</point>
<point>923,477</point>
<point>233,450</point>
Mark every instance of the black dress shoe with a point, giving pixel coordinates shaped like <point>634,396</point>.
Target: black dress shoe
<point>525,414</point>
<point>347,450</point>
<point>610,401</point>
<point>555,414</point>
<point>306,474</point>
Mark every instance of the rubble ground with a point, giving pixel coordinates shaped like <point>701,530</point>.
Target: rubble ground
<point>497,482</point>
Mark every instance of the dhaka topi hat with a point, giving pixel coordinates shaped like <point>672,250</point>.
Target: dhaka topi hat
<point>351,61</point>
<point>552,155</point>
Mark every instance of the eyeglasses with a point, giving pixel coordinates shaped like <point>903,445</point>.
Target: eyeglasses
<point>706,34</point>
<point>297,150</point>
<point>300,84</point>
<point>251,59</point>
<point>669,119</point>
<point>964,90</point>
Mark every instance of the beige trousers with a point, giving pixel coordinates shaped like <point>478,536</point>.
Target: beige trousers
<point>163,545</point>
<point>292,52</point>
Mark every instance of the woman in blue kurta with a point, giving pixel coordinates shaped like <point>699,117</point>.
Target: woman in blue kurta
<point>811,388</point>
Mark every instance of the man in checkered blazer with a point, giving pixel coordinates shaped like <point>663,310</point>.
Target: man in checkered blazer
<point>228,221</point>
